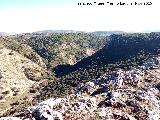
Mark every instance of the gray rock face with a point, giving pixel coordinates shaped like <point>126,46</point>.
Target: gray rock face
<point>56,109</point>
<point>88,87</point>
<point>142,104</point>
<point>96,98</point>
<point>45,111</point>
<point>120,78</point>
<point>152,63</point>
<point>111,77</point>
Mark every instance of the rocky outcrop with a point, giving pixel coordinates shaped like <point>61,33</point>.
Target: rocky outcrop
<point>152,63</point>
<point>119,104</point>
<point>120,78</point>
<point>116,95</point>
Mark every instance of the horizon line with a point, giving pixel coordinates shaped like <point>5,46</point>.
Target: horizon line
<point>71,30</point>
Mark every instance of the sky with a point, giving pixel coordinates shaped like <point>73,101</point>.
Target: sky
<point>21,16</point>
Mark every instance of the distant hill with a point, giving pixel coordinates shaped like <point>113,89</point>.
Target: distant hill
<point>56,31</point>
<point>98,33</point>
<point>107,33</point>
<point>2,33</point>
<point>7,34</point>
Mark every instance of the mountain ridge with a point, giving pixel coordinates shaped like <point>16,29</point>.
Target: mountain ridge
<point>106,69</point>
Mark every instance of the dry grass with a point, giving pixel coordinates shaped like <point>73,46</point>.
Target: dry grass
<point>15,82</point>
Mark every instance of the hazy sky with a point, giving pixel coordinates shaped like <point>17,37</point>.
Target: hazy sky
<point>34,15</point>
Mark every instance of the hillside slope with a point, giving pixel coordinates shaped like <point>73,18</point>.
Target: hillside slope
<point>116,95</point>
<point>61,48</point>
<point>17,75</point>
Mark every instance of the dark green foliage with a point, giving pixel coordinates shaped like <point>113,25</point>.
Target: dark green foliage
<point>50,47</point>
<point>56,48</point>
<point>122,51</point>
